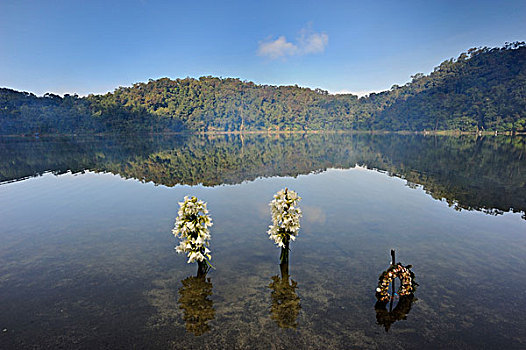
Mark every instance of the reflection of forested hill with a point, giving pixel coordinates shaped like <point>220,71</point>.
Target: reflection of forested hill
<point>471,173</point>
<point>26,157</point>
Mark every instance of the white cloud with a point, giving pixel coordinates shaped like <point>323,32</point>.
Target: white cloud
<point>277,48</point>
<point>314,42</point>
<point>308,43</point>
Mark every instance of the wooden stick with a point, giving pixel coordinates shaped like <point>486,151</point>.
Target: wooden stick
<point>393,261</point>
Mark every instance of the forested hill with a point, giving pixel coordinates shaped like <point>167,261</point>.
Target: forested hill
<point>482,89</point>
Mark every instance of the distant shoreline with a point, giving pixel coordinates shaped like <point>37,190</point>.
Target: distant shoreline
<point>287,132</point>
<point>479,92</point>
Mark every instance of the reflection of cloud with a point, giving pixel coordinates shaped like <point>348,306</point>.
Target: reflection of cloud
<point>308,43</point>
<point>313,214</point>
<point>263,210</point>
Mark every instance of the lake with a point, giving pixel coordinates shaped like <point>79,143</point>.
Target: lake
<point>87,258</point>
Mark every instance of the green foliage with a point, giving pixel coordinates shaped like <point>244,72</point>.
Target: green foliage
<point>483,89</point>
<point>25,113</point>
<point>482,173</point>
<point>214,104</point>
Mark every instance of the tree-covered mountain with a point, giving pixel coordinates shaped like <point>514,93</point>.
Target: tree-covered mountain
<point>482,89</point>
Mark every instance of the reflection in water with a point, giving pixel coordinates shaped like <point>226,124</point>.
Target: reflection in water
<point>285,305</point>
<point>386,317</point>
<point>78,252</point>
<point>483,173</point>
<point>194,301</point>
<point>404,295</point>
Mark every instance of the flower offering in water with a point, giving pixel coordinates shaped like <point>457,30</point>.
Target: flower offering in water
<point>285,217</point>
<point>191,226</point>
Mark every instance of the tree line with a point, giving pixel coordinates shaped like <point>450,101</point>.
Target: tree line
<point>469,172</point>
<point>482,89</point>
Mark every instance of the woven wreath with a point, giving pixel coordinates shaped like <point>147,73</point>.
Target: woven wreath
<point>407,282</point>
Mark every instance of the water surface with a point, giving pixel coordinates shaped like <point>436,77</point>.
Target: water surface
<point>87,258</point>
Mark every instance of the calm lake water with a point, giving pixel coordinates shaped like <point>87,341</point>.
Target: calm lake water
<point>87,258</point>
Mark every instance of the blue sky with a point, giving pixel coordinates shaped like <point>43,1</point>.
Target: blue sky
<point>342,46</point>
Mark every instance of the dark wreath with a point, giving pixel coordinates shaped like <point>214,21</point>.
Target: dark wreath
<point>407,282</point>
<point>405,294</point>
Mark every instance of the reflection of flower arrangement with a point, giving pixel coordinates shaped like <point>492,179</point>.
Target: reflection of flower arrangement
<point>198,309</point>
<point>285,217</point>
<point>386,318</point>
<point>191,226</point>
<point>407,282</point>
<point>285,302</point>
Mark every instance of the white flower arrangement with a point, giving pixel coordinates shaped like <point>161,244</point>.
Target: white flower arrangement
<point>285,217</point>
<point>191,225</point>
